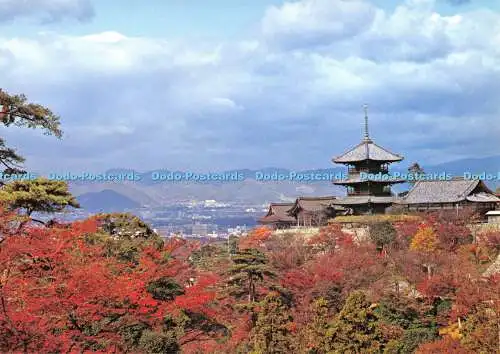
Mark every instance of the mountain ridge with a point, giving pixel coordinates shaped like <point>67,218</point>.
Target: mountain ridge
<point>150,193</point>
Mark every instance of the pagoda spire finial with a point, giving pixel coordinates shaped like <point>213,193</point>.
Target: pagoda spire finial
<point>367,135</point>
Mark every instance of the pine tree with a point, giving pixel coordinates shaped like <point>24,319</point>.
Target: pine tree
<point>355,329</point>
<point>17,111</point>
<point>317,328</point>
<point>416,172</point>
<point>271,333</point>
<point>249,267</point>
<point>39,195</point>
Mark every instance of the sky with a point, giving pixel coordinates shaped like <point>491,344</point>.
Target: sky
<point>222,84</point>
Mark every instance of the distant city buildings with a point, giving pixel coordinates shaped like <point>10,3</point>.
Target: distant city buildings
<point>199,230</point>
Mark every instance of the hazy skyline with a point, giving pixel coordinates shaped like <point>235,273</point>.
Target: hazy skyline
<point>216,85</point>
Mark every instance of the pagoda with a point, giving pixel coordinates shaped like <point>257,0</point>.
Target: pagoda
<point>368,180</point>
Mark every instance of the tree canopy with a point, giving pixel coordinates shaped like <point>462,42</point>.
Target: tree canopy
<point>38,195</point>
<point>16,110</point>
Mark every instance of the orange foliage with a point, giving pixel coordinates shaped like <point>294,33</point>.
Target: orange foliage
<point>425,240</point>
<point>255,238</point>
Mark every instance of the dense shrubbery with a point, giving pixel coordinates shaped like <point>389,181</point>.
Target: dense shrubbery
<point>111,284</point>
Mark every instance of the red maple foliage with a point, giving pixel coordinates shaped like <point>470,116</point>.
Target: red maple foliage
<point>445,345</point>
<point>59,292</point>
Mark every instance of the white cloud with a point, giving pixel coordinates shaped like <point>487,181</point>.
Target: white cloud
<point>225,103</point>
<point>311,21</point>
<point>430,80</point>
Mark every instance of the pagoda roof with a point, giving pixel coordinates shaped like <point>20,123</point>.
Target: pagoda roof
<point>450,191</point>
<point>364,199</point>
<point>367,150</point>
<point>358,180</point>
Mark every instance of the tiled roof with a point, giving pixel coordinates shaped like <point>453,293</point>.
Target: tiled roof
<point>311,204</point>
<point>483,198</point>
<point>449,191</point>
<point>270,219</point>
<point>278,213</point>
<point>367,150</point>
<point>359,200</point>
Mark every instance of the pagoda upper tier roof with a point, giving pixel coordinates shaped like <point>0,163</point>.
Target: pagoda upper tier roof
<point>360,200</point>
<point>368,150</point>
<point>358,180</point>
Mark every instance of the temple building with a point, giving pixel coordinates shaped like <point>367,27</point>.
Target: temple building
<point>368,180</point>
<point>314,211</point>
<point>457,193</point>
<point>277,216</point>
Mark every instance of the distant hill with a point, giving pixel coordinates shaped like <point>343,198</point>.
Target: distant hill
<point>106,200</point>
<point>151,193</point>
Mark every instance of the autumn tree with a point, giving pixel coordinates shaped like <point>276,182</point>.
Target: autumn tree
<point>444,345</point>
<point>249,266</point>
<point>452,230</point>
<point>272,331</point>
<point>481,331</point>
<point>17,111</point>
<point>60,293</point>
<point>330,238</point>
<point>255,238</point>
<point>425,242</point>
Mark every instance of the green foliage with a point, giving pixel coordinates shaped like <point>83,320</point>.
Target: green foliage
<point>125,225</point>
<point>382,233</point>
<point>17,111</point>
<point>354,330</point>
<point>398,311</point>
<point>317,327</point>
<point>159,342</point>
<point>199,322</point>
<point>271,333</point>
<point>123,236</point>
<point>38,195</point>
<point>209,256</point>
<point>413,337</point>
<point>232,244</point>
<point>249,266</point>
<point>164,289</point>
<point>418,327</point>
<point>132,333</point>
